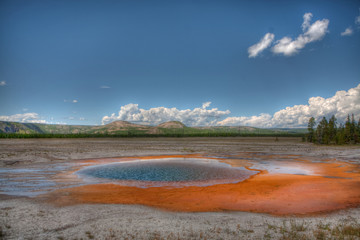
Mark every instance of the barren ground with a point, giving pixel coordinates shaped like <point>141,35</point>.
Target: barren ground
<point>32,218</point>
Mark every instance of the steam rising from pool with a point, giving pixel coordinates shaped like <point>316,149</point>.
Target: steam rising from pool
<point>168,172</point>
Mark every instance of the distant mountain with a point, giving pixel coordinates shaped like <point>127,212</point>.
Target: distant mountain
<point>126,128</point>
<point>230,128</point>
<point>15,127</point>
<point>123,124</point>
<point>171,124</point>
<point>119,127</point>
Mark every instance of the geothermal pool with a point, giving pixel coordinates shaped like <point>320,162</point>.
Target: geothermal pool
<point>277,184</point>
<point>174,172</point>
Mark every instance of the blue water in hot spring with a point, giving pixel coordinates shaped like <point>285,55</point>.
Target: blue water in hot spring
<point>167,171</point>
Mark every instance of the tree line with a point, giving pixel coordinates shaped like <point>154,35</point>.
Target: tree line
<point>146,135</point>
<point>330,132</point>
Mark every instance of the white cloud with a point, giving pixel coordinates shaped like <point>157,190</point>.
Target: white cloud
<point>264,43</point>
<point>340,105</point>
<point>72,101</point>
<point>348,32</point>
<point>2,83</point>
<point>314,32</point>
<point>206,104</point>
<point>306,24</point>
<point>23,117</point>
<point>190,117</point>
<point>263,120</point>
<point>104,86</point>
<point>75,118</point>
<point>357,20</point>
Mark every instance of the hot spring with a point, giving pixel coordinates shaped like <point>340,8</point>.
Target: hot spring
<point>279,184</point>
<point>168,172</point>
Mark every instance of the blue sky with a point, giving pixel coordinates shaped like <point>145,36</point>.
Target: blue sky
<point>77,62</point>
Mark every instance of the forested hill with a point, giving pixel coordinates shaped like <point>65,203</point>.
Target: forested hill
<point>123,128</point>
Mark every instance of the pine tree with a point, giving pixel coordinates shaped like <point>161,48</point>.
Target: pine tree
<point>347,130</point>
<point>340,135</point>
<point>322,132</point>
<point>355,133</point>
<point>358,130</point>
<point>332,129</point>
<point>311,125</point>
<point>329,132</point>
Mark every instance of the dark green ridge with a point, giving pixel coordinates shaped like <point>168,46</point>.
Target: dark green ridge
<point>126,129</point>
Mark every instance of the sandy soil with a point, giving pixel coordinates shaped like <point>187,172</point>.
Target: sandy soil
<point>32,218</point>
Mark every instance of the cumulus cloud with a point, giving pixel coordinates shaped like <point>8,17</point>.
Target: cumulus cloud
<point>190,117</point>
<point>306,24</point>
<point>340,105</point>
<point>264,43</point>
<point>2,83</point>
<point>348,32</point>
<point>263,120</point>
<point>23,117</point>
<point>288,46</point>
<point>311,33</point>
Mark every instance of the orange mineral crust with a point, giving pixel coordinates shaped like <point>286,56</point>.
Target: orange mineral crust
<point>332,186</point>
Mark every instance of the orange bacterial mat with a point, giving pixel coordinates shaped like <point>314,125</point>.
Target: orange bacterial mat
<point>280,185</point>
